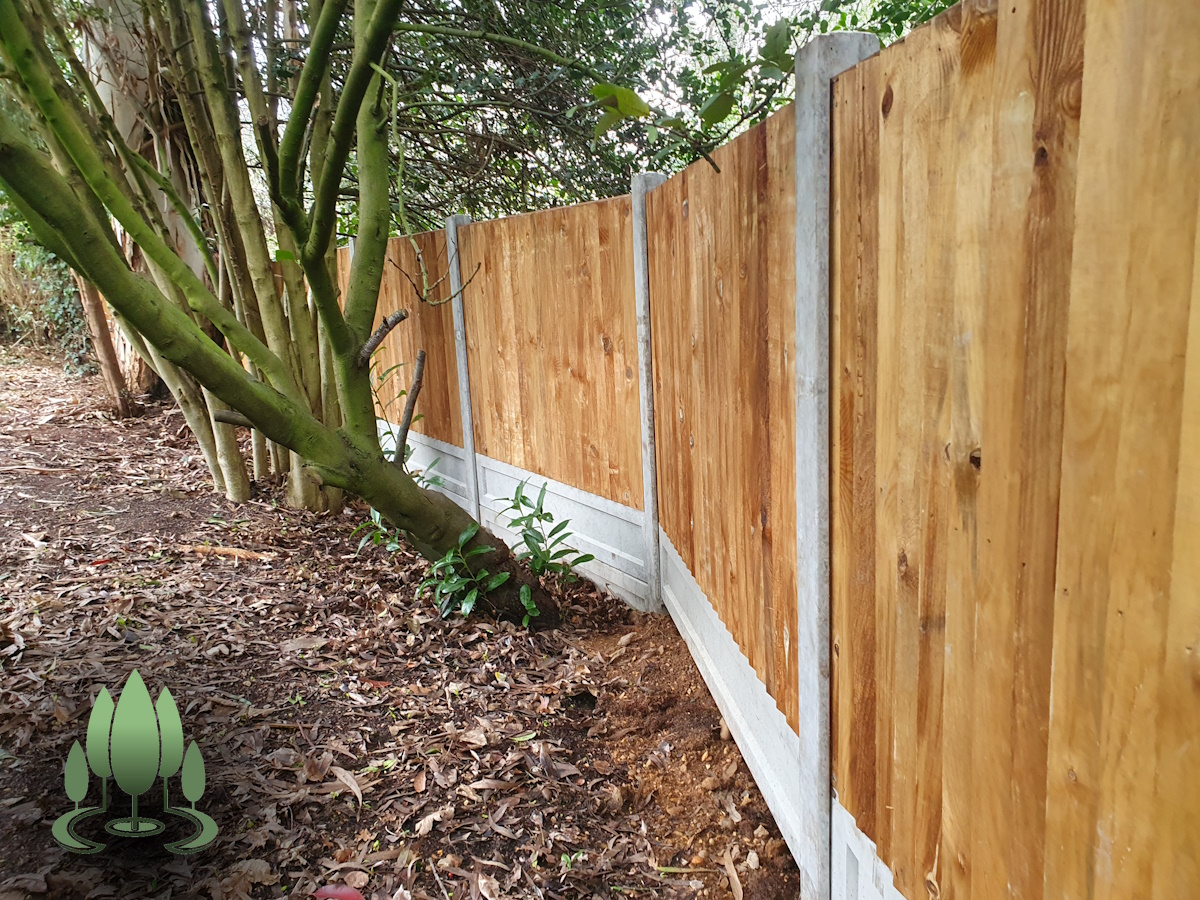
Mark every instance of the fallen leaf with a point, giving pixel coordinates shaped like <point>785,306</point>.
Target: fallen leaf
<point>348,780</point>
<point>337,892</point>
<point>489,887</point>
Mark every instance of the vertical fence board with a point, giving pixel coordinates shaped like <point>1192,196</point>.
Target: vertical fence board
<point>1121,716</point>
<point>1011,436</point>
<point>722,289</point>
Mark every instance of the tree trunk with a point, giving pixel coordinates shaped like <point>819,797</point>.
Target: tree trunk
<point>106,354</point>
<point>229,454</point>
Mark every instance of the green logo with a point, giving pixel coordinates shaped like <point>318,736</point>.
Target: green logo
<point>134,742</point>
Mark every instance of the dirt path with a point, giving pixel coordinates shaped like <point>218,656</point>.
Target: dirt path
<point>349,734</point>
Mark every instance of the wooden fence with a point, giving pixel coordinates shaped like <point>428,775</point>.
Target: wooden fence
<point>1015,205</point>
<point>1003,405</point>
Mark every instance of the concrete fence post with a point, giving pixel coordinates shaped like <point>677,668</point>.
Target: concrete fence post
<point>642,183</point>
<point>460,352</point>
<point>817,62</point>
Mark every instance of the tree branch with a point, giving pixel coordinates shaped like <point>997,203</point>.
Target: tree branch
<point>325,189</point>
<point>410,403</point>
<point>22,56</point>
<point>291,145</point>
<point>384,329</point>
<point>231,417</point>
<point>496,38</point>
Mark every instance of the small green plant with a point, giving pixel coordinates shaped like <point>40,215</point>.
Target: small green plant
<point>531,609</point>
<point>546,552</point>
<point>455,583</point>
<point>377,533</point>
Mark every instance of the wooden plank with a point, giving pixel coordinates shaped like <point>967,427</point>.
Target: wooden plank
<point>1139,187</point>
<point>1039,66</point>
<point>1177,804</point>
<point>855,295</point>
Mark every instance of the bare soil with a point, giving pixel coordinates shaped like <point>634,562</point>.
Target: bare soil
<point>350,735</point>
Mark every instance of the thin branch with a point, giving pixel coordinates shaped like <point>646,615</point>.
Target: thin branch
<point>495,38</point>
<point>373,342</point>
<point>410,405</point>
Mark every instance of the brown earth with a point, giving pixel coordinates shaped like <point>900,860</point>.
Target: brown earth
<point>349,734</point>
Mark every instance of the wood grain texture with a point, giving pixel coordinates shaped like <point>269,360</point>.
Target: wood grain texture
<point>552,345</point>
<point>958,163</point>
<point>429,327</point>
<point>1125,706</point>
<point>722,301</point>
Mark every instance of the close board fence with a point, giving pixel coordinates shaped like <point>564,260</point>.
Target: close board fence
<point>895,415</point>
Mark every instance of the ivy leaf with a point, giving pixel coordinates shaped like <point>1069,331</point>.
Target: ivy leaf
<point>716,109</point>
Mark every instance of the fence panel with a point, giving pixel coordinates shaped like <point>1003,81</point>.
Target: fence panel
<point>722,302</point>
<point>429,327</point>
<point>951,261</point>
<point>1007,450</point>
<point>552,345</point>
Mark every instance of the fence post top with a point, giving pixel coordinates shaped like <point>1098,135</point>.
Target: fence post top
<point>827,55</point>
<point>645,181</point>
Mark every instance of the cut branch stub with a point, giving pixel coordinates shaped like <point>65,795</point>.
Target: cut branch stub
<point>410,404</point>
<point>385,327</point>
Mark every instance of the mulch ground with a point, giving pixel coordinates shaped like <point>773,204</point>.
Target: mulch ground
<point>350,736</point>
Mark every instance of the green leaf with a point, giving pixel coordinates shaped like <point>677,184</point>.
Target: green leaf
<point>778,41</point>
<point>285,256</point>
<point>608,119</point>
<point>470,532</point>
<point>580,560</point>
<point>772,71</point>
<point>652,134</point>
<point>498,579</point>
<point>625,101</point>
<point>468,602</point>
<point>716,109</point>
